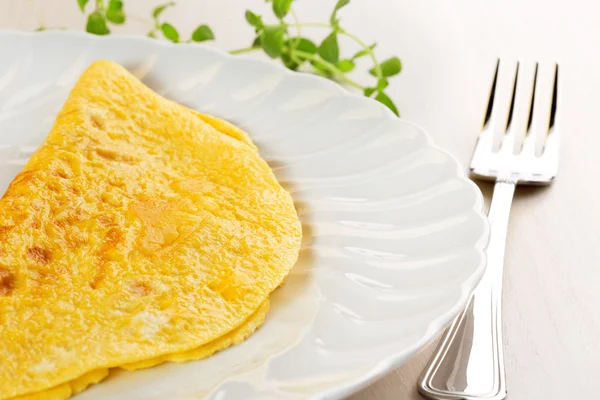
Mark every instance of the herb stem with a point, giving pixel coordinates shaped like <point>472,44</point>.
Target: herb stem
<point>244,50</point>
<point>143,20</point>
<point>329,67</point>
<point>371,54</point>
<point>376,65</point>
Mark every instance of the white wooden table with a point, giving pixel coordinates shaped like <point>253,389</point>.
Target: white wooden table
<point>552,278</point>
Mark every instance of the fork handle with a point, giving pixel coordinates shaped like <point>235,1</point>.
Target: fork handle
<point>468,363</point>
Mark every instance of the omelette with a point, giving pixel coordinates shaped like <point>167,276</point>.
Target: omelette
<point>140,232</point>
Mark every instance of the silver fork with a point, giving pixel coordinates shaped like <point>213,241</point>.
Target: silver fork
<point>518,144</point>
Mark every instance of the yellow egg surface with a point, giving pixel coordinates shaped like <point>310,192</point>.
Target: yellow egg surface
<point>238,335</point>
<point>139,229</point>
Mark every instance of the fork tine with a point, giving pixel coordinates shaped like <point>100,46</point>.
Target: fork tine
<point>485,138</point>
<point>503,101</point>
<point>543,111</point>
<point>490,105</point>
<point>521,108</point>
<point>554,105</point>
<point>530,119</point>
<point>507,140</point>
<point>550,150</point>
<point>511,110</point>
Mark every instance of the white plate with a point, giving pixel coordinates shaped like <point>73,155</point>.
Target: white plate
<point>394,233</point>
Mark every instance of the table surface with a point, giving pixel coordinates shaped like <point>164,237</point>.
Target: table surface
<point>449,51</point>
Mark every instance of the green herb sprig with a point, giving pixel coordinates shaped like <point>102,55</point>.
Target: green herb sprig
<point>282,40</point>
<point>104,13</point>
<point>200,34</point>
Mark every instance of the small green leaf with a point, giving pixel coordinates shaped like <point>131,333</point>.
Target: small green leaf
<point>364,52</point>
<point>82,4</point>
<point>114,12</point>
<point>338,5</point>
<point>152,34</point>
<point>382,84</point>
<point>256,42</point>
<point>390,67</point>
<point>384,99</point>
<point>170,32</point>
<point>159,9</point>
<point>299,44</point>
<point>96,24</point>
<point>329,49</point>
<point>281,7</point>
<point>202,33</point>
<point>346,65</point>
<point>115,17</point>
<point>272,41</point>
<point>369,91</point>
<point>254,19</point>
<point>302,44</point>
<point>40,28</point>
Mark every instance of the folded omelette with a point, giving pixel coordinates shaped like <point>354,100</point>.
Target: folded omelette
<point>140,232</point>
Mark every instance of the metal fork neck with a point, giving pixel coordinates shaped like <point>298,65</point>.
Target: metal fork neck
<point>469,361</point>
